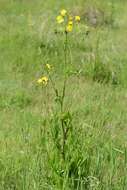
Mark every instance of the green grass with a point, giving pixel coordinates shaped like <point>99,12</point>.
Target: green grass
<point>96,148</point>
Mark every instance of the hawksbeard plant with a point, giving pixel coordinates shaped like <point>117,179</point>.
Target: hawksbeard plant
<point>62,129</point>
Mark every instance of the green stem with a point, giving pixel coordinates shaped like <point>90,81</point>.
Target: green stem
<point>64,138</point>
<point>65,66</point>
<point>65,49</point>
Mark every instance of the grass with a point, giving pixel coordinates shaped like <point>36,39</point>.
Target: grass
<point>96,97</point>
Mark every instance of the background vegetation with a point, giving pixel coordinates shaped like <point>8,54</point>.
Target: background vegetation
<point>96,149</point>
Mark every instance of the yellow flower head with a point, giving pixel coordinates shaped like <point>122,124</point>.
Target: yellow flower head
<point>59,19</point>
<point>70,23</point>
<point>77,18</point>
<point>39,81</point>
<point>69,28</point>
<point>43,80</point>
<point>63,12</point>
<point>48,66</point>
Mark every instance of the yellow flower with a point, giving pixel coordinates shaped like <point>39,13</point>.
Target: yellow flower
<point>39,81</point>
<point>43,80</point>
<point>69,28</point>
<point>63,12</point>
<point>70,23</point>
<point>48,66</point>
<point>59,19</point>
<point>77,18</point>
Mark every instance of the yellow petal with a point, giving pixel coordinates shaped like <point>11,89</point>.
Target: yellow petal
<point>63,12</point>
<point>39,81</point>
<point>59,19</point>
<point>77,18</point>
<point>43,80</point>
<point>69,28</point>
<point>70,23</point>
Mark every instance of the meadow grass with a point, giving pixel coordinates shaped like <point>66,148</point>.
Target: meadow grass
<point>95,102</point>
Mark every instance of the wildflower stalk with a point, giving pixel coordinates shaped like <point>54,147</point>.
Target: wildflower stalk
<point>64,129</point>
<point>65,119</point>
<point>61,99</point>
<point>65,66</point>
